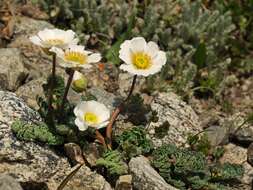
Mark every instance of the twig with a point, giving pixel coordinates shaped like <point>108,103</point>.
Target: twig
<point>69,177</point>
<point>116,113</point>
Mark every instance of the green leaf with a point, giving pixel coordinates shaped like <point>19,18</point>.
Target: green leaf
<point>112,54</point>
<point>226,172</point>
<point>200,55</point>
<point>134,142</point>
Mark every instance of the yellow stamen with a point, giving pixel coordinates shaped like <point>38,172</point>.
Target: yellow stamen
<point>141,60</point>
<point>76,57</point>
<point>91,118</point>
<point>55,42</point>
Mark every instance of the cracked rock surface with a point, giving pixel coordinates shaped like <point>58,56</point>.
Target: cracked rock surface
<point>180,117</point>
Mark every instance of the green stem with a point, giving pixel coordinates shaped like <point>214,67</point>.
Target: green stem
<point>64,99</point>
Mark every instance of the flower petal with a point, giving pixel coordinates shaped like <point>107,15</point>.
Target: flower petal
<point>142,72</point>
<point>101,125</point>
<point>59,52</point>
<point>160,58</point>
<point>36,40</point>
<point>138,44</point>
<point>76,48</point>
<point>78,111</point>
<point>80,124</point>
<point>125,52</point>
<point>94,58</point>
<point>152,49</point>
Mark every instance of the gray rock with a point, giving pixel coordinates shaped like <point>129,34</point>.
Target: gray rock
<point>36,61</point>
<point>125,82</point>
<point>250,154</point>
<point>248,174</point>
<point>124,183</point>
<point>92,153</point>
<point>109,99</point>
<point>240,131</point>
<point>180,117</point>
<point>244,135</point>
<point>28,26</point>
<point>12,70</point>
<point>234,154</point>
<point>8,183</point>
<point>29,91</point>
<point>85,179</point>
<point>145,177</point>
<point>217,135</point>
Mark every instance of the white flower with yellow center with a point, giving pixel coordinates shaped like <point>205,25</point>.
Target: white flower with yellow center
<point>140,57</point>
<point>91,113</point>
<point>74,56</point>
<point>48,38</point>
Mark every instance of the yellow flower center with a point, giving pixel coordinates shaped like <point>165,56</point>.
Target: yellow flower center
<point>91,118</point>
<point>76,57</point>
<point>55,42</point>
<point>141,60</point>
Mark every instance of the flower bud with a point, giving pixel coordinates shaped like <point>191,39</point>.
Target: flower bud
<point>79,83</point>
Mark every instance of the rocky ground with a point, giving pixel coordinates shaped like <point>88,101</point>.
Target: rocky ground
<point>33,166</point>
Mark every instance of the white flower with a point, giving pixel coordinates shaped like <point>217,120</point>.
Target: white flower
<point>79,82</point>
<point>140,57</point>
<point>48,38</point>
<point>74,56</point>
<point>91,113</point>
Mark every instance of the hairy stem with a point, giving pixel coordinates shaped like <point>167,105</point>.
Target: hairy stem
<point>51,88</point>
<point>116,113</point>
<point>64,99</point>
<point>100,138</point>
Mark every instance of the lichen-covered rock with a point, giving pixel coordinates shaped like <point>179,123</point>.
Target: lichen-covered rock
<point>9,183</point>
<point>26,161</point>
<point>176,120</point>
<point>234,154</point>
<point>145,177</point>
<point>85,179</point>
<point>12,70</point>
